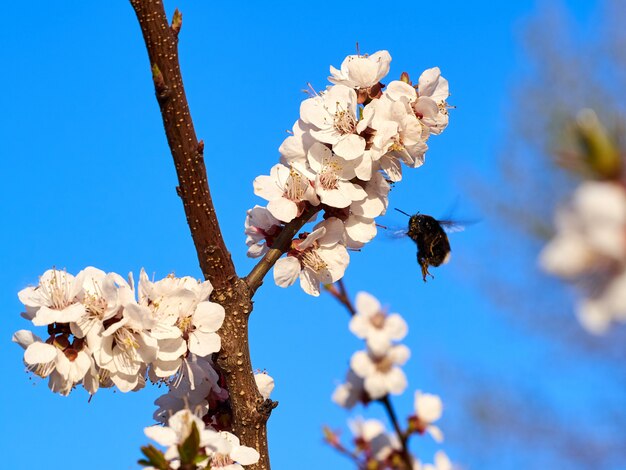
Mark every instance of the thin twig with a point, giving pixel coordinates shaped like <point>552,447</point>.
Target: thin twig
<point>279,247</point>
<point>406,456</point>
<point>344,299</point>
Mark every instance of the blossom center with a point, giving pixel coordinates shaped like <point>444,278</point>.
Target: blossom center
<point>311,259</point>
<point>295,186</point>
<point>56,291</point>
<point>383,364</point>
<point>378,320</point>
<point>221,460</point>
<point>345,122</point>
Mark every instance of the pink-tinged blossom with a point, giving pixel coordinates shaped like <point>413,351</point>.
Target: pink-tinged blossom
<point>319,257</point>
<point>431,105</point>
<point>261,227</point>
<point>287,191</point>
<point>361,71</point>
<point>399,136</point>
<point>381,374</point>
<point>375,326</point>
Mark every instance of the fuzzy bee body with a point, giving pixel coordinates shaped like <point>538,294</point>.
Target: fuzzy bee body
<point>433,246</point>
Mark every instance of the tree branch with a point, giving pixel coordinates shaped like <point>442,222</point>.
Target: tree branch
<point>249,411</point>
<point>279,247</point>
<point>162,44</point>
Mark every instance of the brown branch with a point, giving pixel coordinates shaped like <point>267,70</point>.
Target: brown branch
<point>279,247</point>
<point>249,410</point>
<point>162,44</point>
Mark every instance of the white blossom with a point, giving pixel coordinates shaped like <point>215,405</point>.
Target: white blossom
<point>431,104</point>
<point>260,228</point>
<point>231,455</point>
<point>590,248</point>
<point>53,300</point>
<point>351,392</point>
<point>442,462</point>
<point>428,409</point>
<point>381,374</point>
<point>374,325</point>
<point>361,71</point>
<point>286,189</point>
<point>320,257</point>
<point>195,381</point>
<point>333,115</point>
<point>332,177</point>
<point>178,429</point>
<point>265,384</point>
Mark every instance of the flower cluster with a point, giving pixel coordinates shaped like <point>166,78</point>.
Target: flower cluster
<point>374,371</point>
<point>209,449</point>
<point>374,374</point>
<point>101,332</point>
<point>590,248</point>
<point>345,150</point>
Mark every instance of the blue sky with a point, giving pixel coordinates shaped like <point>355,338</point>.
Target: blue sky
<point>88,180</point>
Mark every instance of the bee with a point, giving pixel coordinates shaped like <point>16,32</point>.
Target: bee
<point>429,234</point>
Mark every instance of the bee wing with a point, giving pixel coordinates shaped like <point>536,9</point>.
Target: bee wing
<point>397,233</point>
<point>452,226</point>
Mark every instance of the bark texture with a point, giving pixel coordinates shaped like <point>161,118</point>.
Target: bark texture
<point>249,410</point>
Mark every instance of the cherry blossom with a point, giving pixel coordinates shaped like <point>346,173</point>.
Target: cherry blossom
<point>332,177</point>
<point>318,257</point>
<point>54,300</point>
<point>348,394</point>
<point>265,384</point>
<point>178,429</point>
<point>230,454</point>
<point>375,326</point>
<point>381,373</point>
<point>428,409</point>
<point>286,189</point>
<point>590,247</point>
<point>260,228</point>
<point>432,105</point>
<point>361,71</point>
<point>442,462</point>
<point>127,347</point>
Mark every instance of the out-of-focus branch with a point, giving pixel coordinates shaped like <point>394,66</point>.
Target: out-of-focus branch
<point>341,294</point>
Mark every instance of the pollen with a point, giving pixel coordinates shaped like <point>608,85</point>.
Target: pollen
<point>345,121</point>
<point>295,186</point>
<point>311,259</point>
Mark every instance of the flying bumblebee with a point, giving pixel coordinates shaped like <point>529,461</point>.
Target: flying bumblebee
<point>429,234</point>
